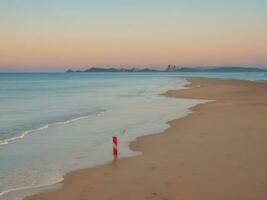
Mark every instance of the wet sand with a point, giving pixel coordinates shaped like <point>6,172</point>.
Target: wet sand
<point>219,152</point>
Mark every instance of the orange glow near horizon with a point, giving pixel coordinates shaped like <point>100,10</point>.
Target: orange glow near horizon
<point>183,37</point>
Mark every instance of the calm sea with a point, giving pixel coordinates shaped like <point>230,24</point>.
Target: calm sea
<point>52,123</point>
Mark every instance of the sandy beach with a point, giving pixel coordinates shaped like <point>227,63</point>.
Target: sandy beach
<point>216,153</point>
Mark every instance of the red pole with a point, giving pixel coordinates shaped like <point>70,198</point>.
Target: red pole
<point>115,145</point>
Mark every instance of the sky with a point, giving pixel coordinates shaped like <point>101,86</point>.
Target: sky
<point>54,35</point>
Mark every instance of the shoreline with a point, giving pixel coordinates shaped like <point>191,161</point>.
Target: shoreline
<point>17,193</point>
<point>139,145</point>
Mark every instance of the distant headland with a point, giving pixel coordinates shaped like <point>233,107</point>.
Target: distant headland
<point>173,68</point>
<point>100,69</point>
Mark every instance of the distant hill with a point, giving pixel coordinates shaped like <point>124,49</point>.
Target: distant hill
<point>99,69</point>
<point>173,68</point>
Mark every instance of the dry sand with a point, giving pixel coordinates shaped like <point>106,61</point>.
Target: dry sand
<point>217,153</point>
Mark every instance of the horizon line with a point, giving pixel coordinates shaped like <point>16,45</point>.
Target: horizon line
<point>118,67</point>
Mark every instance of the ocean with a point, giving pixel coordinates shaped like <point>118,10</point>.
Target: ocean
<point>53,123</point>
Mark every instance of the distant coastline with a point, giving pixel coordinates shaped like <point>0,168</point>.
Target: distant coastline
<point>172,68</point>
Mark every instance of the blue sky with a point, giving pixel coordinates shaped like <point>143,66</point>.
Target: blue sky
<point>55,34</point>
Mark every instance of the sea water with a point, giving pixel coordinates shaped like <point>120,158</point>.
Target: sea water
<point>53,123</point>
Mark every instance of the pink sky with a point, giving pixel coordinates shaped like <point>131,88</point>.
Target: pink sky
<point>55,36</point>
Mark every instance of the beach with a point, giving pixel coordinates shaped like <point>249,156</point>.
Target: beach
<point>216,152</point>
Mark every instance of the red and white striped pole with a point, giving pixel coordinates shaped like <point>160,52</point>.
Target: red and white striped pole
<point>115,145</point>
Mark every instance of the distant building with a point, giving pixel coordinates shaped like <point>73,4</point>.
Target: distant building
<point>171,68</point>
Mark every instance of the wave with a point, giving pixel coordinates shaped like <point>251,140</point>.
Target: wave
<point>23,134</point>
<point>30,187</point>
<point>46,126</point>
